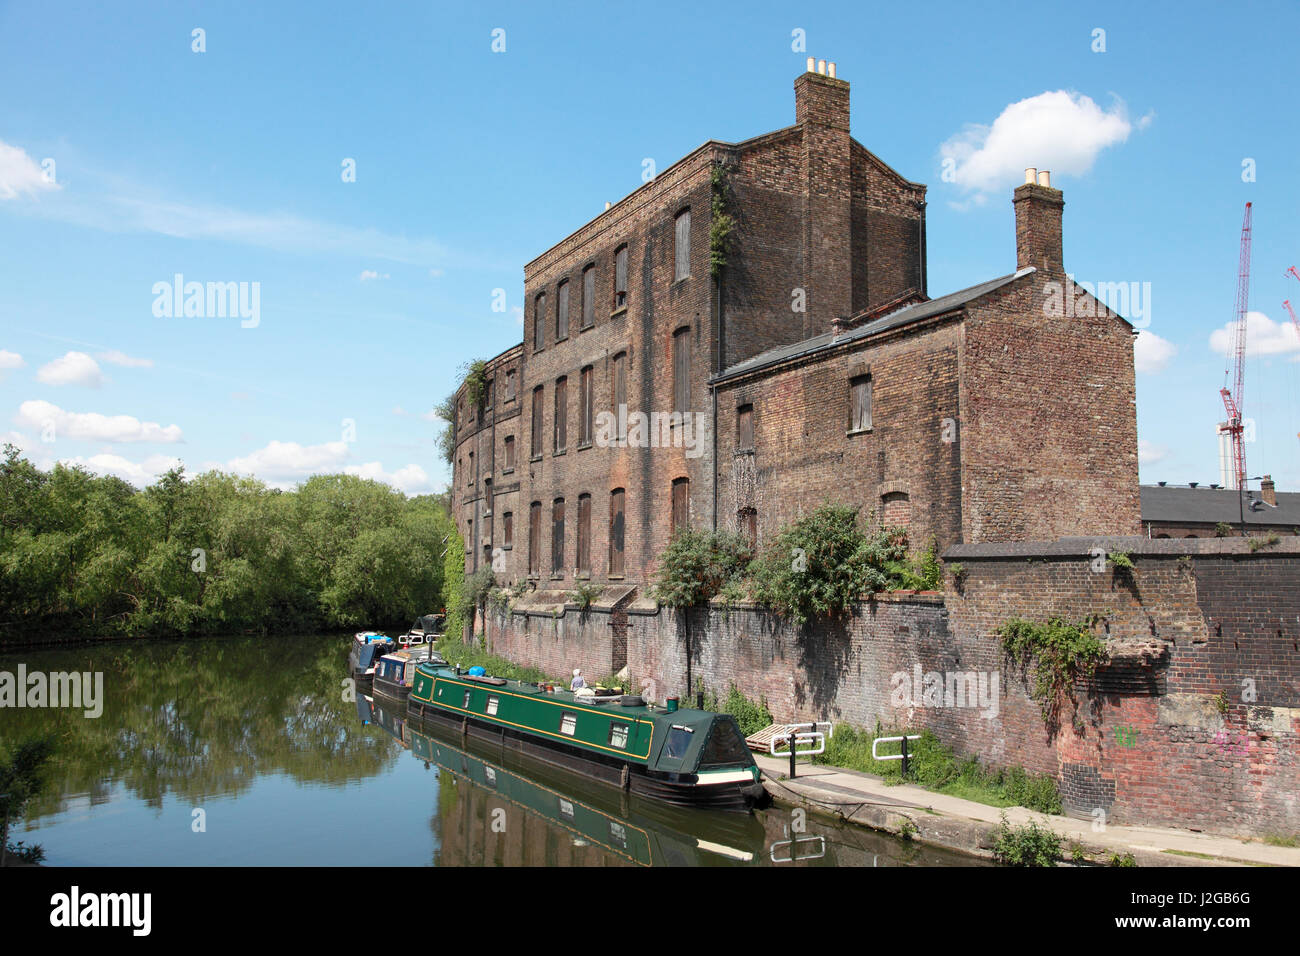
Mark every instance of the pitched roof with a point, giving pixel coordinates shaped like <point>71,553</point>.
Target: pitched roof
<point>903,316</point>
<point>1212,505</point>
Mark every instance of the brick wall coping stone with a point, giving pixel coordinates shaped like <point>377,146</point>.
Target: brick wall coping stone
<point>1081,547</point>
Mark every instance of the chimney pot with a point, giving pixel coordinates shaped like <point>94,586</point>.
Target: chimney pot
<point>1030,175</point>
<point>812,65</point>
<point>830,70</point>
<point>607,204</point>
<point>821,67</point>
<point>1045,177</point>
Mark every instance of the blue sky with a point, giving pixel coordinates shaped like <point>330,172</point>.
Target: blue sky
<point>227,165</point>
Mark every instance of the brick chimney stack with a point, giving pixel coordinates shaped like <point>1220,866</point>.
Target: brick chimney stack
<point>1268,491</point>
<point>822,111</point>
<point>1038,223</point>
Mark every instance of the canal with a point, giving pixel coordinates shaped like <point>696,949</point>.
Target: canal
<point>253,751</point>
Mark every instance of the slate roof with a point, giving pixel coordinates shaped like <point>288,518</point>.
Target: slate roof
<point>1205,505</point>
<point>904,316</point>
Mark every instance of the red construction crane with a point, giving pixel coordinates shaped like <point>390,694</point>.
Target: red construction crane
<point>1232,400</point>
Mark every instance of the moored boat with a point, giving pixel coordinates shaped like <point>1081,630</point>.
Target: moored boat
<point>395,672</point>
<point>687,758</point>
<point>367,648</point>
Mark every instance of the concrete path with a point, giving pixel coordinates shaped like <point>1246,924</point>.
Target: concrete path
<point>968,826</point>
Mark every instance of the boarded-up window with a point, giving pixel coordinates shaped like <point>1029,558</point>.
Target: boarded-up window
<point>683,245</point>
<point>745,428</point>
<point>681,503</point>
<point>747,519</point>
<point>534,537</point>
<point>616,503</point>
<point>557,536</point>
<point>510,385</point>
<point>682,370</point>
<point>588,297</point>
<point>585,401</point>
<point>539,321</point>
<point>860,403</point>
<point>561,414</point>
<point>562,311</point>
<point>537,422</point>
<point>620,277</point>
<point>510,453</point>
<point>584,534</point>
<point>620,393</point>
<point>507,530</point>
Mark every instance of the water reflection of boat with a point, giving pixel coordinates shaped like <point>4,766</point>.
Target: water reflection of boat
<point>367,648</point>
<point>595,818</point>
<point>688,758</point>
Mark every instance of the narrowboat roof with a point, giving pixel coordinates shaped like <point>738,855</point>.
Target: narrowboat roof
<point>685,716</point>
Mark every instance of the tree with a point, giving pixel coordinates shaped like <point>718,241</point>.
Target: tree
<point>22,777</point>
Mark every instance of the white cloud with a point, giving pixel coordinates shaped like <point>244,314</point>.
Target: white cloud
<point>518,312</point>
<point>19,173</point>
<point>409,480</point>
<point>1061,131</point>
<point>1263,337</point>
<point>431,416</point>
<point>93,426</point>
<point>121,358</point>
<point>1151,353</point>
<point>1150,454</point>
<point>75,368</point>
<point>141,474</point>
<point>9,361</point>
<point>369,274</point>
<point>435,273</point>
<point>288,460</point>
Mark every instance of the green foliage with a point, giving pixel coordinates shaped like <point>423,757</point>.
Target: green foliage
<point>1223,530</point>
<point>465,656</point>
<point>823,563</point>
<point>697,565</point>
<point>585,592</point>
<point>446,441</point>
<point>935,767</point>
<point>476,382</point>
<point>91,556</point>
<point>1063,652</point>
<point>1221,702</point>
<point>1121,561</point>
<point>907,829</point>
<point>1028,845</point>
<point>721,223</point>
<point>1282,839</point>
<point>750,716</point>
<point>1121,859</point>
<point>24,772</point>
<point>453,600</point>
<point>1257,543</point>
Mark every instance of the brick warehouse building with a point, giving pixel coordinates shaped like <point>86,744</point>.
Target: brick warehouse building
<point>812,366</point>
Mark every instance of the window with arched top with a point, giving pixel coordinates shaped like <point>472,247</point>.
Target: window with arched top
<point>896,509</point>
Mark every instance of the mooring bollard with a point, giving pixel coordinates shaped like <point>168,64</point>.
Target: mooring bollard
<point>792,736</point>
<point>904,756</point>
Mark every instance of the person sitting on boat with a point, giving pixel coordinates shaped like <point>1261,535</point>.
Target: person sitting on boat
<point>577,683</point>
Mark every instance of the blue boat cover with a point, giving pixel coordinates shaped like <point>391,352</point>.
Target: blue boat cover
<point>363,710</point>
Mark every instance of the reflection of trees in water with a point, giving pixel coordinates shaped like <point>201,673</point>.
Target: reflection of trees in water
<point>202,719</point>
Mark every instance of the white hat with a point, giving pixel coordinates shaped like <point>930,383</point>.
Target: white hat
<point>577,671</point>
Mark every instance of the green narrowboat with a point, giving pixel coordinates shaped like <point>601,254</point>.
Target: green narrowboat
<point>687,758</point>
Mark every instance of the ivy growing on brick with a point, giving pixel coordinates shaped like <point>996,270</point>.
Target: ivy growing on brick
<point>1062,652</point>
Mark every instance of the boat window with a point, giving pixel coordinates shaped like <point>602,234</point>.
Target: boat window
<point>493,702</point>
<point>466,703</point>
<point>566,808</point>
<point>490,775</point>
<point>679,738</point>
<point>618,736</point>
<point>725,746</point>
<point>568,724</point>
<point>618,833</point>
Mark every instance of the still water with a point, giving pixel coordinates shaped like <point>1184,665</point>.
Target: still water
<point>252,751</point>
